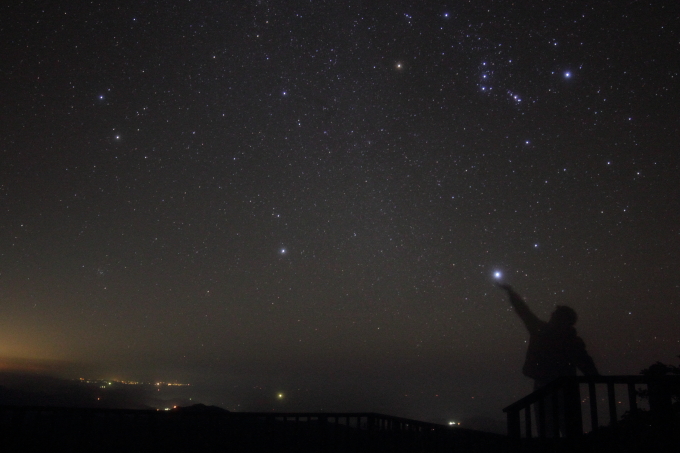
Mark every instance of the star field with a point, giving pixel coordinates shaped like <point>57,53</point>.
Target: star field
<point>315,199</point>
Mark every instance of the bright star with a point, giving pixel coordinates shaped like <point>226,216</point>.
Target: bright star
<point>567,74</point>
<point>497,275</point>
<point>283,251</point>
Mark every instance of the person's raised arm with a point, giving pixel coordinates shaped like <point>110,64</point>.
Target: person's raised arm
<point>530,320</point>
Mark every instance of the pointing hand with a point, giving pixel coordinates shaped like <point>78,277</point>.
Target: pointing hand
<point>505,286</point>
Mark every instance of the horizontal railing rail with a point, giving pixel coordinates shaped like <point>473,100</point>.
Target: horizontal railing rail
<point>359,420</point>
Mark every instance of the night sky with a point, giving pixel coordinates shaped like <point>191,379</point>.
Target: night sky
<point>312,198</point>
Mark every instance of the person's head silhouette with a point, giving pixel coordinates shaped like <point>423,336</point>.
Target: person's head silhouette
<point>563,316</point>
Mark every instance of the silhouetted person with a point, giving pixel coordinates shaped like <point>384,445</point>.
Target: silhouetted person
<point>554,349</point>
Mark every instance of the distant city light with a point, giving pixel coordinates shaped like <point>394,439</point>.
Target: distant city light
<point>104,382</point>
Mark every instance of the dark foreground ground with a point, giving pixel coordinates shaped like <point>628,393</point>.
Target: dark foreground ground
<point>40,429</point>
<point>87,430</point>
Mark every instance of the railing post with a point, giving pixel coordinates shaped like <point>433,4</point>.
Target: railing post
<point>660,402</point>
<point>514,427</point>
<point>592,396</point>
<point>557,412</point>
<point>632,399</point>
<point>540,423</point>
<point>370,430</point>
<point>572,409</point>
<point>527,421</point>
<point>611,397</point>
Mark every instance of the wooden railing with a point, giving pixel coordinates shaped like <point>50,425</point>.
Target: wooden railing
<point>558,405</point>
<point>236,431</point>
